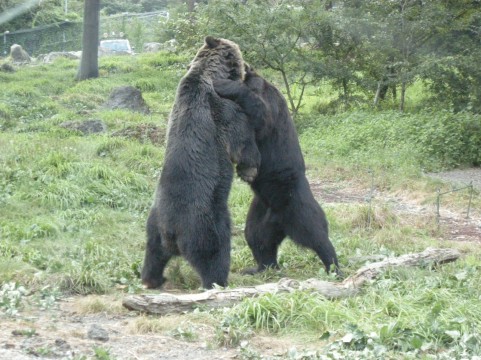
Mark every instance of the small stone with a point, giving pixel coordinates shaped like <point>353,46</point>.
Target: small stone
<point>6,67</point>
<point>98,333</point>
<point>61,344</point>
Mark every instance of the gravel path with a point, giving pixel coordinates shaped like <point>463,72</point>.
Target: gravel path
<point>454,225</point>
<point>460,177</point>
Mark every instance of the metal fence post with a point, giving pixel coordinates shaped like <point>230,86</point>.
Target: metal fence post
<point>369,213</point>
<point>438,199</point>
<point>471,191</point>
<point>5,43</point>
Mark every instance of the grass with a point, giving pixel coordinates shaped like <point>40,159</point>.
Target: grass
<point>73,211</point>
<point>102,304</point>
<point>411,311</point>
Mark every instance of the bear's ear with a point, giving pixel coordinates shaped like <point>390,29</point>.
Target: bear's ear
<point>249,71</point>
<point>212,42</point>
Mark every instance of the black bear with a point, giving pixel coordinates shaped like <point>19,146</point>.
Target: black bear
<point>206,134</point>
<point>283,203</point>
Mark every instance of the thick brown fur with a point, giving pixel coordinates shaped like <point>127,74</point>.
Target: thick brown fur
<point>283,204</point>
<point>206,135</point>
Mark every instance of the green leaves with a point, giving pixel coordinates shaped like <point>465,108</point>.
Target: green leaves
<point>431,140</point>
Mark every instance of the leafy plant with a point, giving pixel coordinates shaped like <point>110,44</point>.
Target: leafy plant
<point>102,353</point>
<point>11,298</point>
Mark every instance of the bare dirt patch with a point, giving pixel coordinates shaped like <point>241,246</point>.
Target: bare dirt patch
<point>64,333</point>
<point>454,225</point>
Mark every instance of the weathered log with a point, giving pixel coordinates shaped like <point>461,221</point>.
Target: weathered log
<point>168,303</point>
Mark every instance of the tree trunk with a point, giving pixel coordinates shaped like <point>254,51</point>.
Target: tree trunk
<point>89,67</point>
<point>191,5</point>
<point>377,97</point>
<point>290,98</point>
<point>403,95</point>
<point>163,304</point>
<point>345,94</point>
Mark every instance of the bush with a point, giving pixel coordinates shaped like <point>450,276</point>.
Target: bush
<point>431,140</point>
<point>449,139</point>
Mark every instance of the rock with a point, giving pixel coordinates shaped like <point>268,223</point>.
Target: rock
<point>127,97</point>
<point>169,45</point>
<point>98,333</point>
<point>86,127</point>
<point>62,345</point>
<point>18,55</point>
<point>152,47</point>
<point>50,57</point>
<point>6,67</point>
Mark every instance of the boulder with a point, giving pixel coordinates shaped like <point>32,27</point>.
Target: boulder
<point>18,55</point>
<point>152,47</point>
<point>170,45</point>
<point>50,57</point>
<point>127,97</point>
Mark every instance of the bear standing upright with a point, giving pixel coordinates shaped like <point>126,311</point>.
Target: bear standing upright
<point>206,134</point>
<point>283,203</point>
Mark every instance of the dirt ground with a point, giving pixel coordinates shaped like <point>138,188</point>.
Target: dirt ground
<point>66,332</point>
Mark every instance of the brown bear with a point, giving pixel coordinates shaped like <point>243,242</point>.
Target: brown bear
<point>206,135</point>
<point>283,204</point>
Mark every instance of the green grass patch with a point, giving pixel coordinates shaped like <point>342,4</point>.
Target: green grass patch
<point>73,211</point>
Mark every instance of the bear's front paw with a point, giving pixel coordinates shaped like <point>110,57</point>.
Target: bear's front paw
<point>228,89</point>
<point>247,174</point>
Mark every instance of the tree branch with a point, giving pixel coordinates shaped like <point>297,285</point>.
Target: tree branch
<point>163,304</point>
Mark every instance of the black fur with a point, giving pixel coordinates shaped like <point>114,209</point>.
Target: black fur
<point>283,203</point>
<point>190,216</point>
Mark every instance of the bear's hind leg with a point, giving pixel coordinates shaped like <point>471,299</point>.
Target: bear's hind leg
<point>263,234</point>
<point>156,256</point>
<point>307,226</point>
<point>215,270</point>
<point>209,254</point>
<point>213,266</point>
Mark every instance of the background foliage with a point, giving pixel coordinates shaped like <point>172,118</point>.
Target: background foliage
<point>369,52</point>
<point>73,207</point>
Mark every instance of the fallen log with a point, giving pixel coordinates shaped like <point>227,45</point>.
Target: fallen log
<point>165,303</point>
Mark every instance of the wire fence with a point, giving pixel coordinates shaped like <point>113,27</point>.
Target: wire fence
<point>67,35</point>
<point>470,187</point>
<point>439,194</point>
